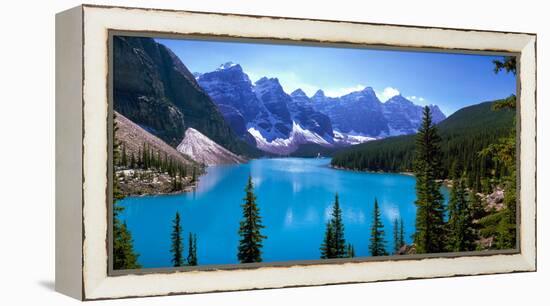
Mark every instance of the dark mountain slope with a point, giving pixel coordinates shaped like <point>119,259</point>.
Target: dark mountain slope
<point>154,89</point>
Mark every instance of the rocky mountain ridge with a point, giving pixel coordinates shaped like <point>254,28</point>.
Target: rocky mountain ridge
<point>262,113</point>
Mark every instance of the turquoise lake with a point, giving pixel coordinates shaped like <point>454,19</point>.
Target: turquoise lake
<point>295,196</point>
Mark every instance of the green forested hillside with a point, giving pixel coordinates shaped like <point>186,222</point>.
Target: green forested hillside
<point>464,134</point>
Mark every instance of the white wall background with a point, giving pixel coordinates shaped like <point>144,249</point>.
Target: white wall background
<point>27,152</point>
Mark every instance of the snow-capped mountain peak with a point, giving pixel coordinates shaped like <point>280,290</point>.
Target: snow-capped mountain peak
<point>228,65</point>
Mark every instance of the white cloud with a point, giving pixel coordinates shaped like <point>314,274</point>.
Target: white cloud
<point>252,76</point>
<point>338,92</point>
<point>417,99</point>
<point>387,93</point>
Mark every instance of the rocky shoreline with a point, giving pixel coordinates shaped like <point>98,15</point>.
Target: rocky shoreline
<point>137,182</point>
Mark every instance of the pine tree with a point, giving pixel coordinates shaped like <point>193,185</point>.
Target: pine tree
<point>154,159</point>
<point>501,225</point>
<point>163,162</point>
<point>250,244</point>
<point>430,223</point>
<point>177,242</point>
<point>140,158</point>
<point>377,246</point>
<point>401,233</point>
<point>506,227</point>
<point>339,242</point>
<point>132,161</point>
<point>461,227</point>
<point>396,238</point>
<point>117,193</point>
<point>124,256</point>
<point>144,156</point>
<point>192,256</point>
<point>194,175</point>
<point>169,167</point>
<point>350,252</point>
<point>475,206</point>
<point>508,64</point>
<point>124,157</point>
<point>334,243</point>
<point>327,249</point>
<point>453,231</point>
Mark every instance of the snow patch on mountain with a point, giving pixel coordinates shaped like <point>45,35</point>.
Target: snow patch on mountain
<point>227,65</point>
<point>284,146</point>
<point>351,138</point>
<point>204,150</point>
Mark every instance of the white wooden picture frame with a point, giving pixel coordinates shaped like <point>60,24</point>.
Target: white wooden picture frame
<point>82,112</point>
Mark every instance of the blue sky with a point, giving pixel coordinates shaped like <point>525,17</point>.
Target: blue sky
<point>451,81</point>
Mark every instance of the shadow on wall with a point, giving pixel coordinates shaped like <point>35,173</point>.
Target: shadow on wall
<point>47,284</point>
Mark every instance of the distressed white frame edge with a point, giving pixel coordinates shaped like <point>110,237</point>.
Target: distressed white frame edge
<point>68,150</point>
<point>96,23</point>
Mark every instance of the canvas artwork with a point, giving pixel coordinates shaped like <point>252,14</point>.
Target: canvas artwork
<point>233,152</point>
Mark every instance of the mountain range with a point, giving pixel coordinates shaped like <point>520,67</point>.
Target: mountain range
<point>262,113</point>
<point>156,91</point>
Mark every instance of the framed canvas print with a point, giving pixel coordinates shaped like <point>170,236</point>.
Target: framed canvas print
<point>201,152</point>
